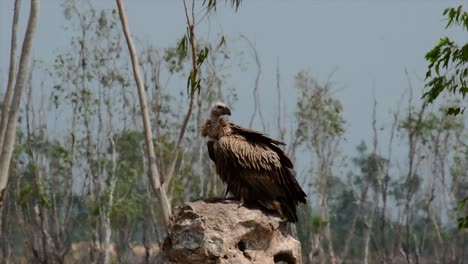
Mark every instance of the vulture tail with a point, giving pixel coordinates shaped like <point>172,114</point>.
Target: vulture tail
<point>288,209</point>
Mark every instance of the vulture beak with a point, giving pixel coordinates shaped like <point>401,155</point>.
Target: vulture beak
<point>227,111</point>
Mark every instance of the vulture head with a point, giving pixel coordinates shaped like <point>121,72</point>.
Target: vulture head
<point>219,109</point>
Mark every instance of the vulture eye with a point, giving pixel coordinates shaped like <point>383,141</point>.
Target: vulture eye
<point>219,107</point>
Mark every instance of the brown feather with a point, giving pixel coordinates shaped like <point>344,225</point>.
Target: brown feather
<point>253,166</point>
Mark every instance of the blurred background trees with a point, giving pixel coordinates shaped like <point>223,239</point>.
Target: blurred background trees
<point>78,187</point>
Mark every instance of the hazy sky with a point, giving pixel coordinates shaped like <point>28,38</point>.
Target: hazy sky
<point>368,44</point>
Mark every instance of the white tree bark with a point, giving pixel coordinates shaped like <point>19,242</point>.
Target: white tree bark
<point>110,204</point>
<point>4,114</point>
<point>153,174</point>
<point>11,73</point>
<point>10,133</point>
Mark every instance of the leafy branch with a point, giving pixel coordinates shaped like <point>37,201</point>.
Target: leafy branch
<point>453,60</point>
<point>448,63</point>
<point>198,57</point>
<point>211,4</point>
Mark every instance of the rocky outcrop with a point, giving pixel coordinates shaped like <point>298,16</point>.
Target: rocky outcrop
<point>224,232</point>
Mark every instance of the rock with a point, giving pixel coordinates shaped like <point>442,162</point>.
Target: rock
<point>223,232</point>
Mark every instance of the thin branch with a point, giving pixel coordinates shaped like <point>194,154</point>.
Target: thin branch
<point>193,80</point>
<point>193,12</point>
<point>279,119</point>
<point>186,12</point>
<point>256,95</point>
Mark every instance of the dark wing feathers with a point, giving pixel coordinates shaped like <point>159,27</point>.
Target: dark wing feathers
<point>261,164</point>
<point>255,168</point>
<point>254,136</point>
<point>211,153</point>
<point>245,154</point>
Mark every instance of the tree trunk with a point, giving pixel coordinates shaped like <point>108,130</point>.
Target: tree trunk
<point>358,213</point>
<point>11,73</point>
<point>10,134</point>
<point>110,204</point>
<point>153,173</point>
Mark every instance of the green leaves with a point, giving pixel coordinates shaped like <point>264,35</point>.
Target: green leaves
<point>448,64</point>
<point>455,110</point>
<point>453,60</point>
<point>193,80</point>
<point>202,55</point>
<point>463,221</point>
<point>318,223</point>
<point>193,83</point>
<point>222,42</point>
<point>318,111</point>
<point>456,16</point>
<point>462,203</point>
<point>211,4</point>
<point>182,47</point>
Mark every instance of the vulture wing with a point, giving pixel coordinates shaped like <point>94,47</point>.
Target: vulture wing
<point>211,153</point>
<point>210,143</point>
<point>254,136</point>
<point>256,169</point>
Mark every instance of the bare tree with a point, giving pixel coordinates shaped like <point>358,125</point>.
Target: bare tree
<point>412,178</point>
<point>280,116</point>
<point>42,240</point>
<point>320,128</point>
<point>110,202</point>
<point>153,173</point>
<point>13,109</point>
<point>360,200</point>
<point>384,186</point>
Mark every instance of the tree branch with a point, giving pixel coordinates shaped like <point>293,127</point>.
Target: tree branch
<point>153,173</point>
<point>256,89</point>
<point>193,81</point>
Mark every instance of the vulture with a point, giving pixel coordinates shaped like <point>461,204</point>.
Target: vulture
<point>251,164</point>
